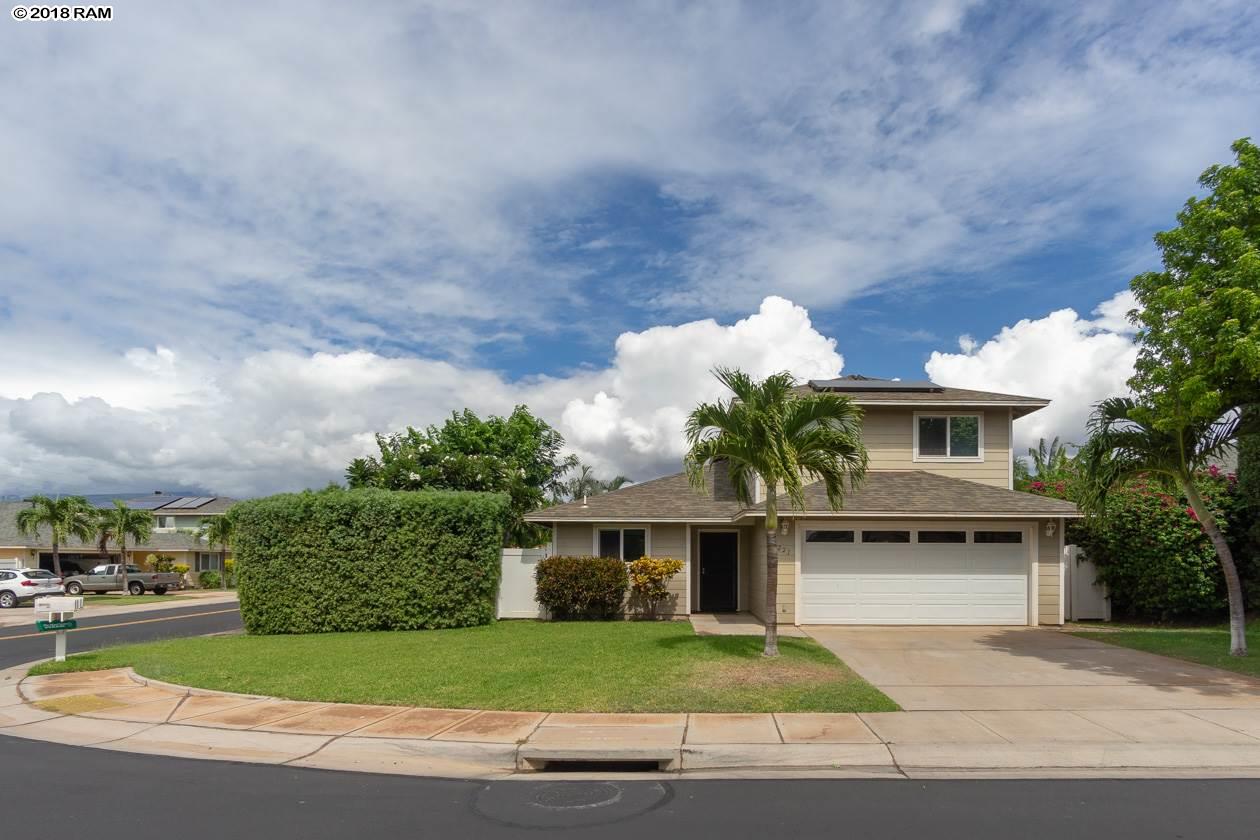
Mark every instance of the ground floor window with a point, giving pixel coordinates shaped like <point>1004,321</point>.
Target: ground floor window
<point>209,561</point>
<point>622,543</point>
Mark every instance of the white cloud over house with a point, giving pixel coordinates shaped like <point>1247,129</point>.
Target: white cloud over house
<point>283,420</point>
<point>1071,360</point>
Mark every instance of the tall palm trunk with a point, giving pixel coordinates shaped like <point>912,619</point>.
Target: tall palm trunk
<point>122,561</point>
<point>56,556</point>
<point>772,573</point>
<point>1233,584</point>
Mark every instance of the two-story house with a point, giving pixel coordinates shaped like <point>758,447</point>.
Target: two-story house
<point>176,520</point>
<point>936,534</point>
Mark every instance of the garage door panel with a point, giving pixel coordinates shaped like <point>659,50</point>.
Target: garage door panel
<point>915,583</point>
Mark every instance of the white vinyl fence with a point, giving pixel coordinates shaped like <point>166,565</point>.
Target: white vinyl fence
<point>516,588</point>
<point>1086,598</point>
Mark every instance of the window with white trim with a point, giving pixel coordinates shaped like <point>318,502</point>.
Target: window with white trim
<point>945,437</point>
<point>622,543</point>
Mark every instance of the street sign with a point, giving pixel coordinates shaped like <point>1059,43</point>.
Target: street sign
<point>68,624</point>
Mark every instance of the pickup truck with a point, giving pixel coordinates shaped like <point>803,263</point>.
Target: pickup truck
<point>107,579</point>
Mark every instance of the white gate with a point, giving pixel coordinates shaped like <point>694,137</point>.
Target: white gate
<point>1087,598</point>
<point>516,587</point>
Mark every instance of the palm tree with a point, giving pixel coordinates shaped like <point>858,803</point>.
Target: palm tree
<point>769,433</point>
<point>586,484</point>
<point>120,522</point>
<point>1049,460</point>
<point>217,530</point>
<point>65,517</point>
<point>1125,442</point>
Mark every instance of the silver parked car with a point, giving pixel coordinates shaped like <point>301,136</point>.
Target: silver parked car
<point>17,585</point>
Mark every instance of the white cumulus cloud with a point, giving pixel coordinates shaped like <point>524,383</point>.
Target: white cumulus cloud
<point>285,420</point>
<point>1073,361</point>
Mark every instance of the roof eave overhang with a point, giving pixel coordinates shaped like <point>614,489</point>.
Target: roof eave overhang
<point>677,520</point>
<point>894,514</point>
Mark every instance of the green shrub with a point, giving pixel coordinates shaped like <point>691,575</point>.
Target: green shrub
<point>581,587</point>
<point>229,571</point>
<point>353,560</point>
<point>1151,552</point>
<point>209,579</point>
<point>180,568</point>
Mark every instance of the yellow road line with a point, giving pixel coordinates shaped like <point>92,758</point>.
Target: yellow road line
<point>119,624</point>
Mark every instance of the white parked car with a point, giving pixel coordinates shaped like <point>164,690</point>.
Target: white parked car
<point>27,584</point>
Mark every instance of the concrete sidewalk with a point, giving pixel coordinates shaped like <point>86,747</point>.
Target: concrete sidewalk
<point>24,615</point>
<point>119,711</point>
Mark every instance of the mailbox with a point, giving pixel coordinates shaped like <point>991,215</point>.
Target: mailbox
<point>56,612</point>
<point>63,606</point>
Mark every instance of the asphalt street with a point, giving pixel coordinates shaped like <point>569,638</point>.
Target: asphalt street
<point>24,644</point>
<point>75,792</point>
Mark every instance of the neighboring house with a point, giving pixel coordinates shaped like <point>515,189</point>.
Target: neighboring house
<point>175,518</point>
<point>936,534</point>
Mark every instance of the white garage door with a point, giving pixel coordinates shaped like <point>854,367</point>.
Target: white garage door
<point>937,574</point>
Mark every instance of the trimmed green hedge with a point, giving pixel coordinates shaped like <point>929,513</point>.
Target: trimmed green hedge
<point>353,560</point>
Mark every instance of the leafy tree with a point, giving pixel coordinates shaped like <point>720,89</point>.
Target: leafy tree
<point>217,530</point>
<point>117,524</point>
<point>1199,317</point>
<point>518,455</point>
<point>770,433</point>
<point>1125,443</point>
<point>64,517</point>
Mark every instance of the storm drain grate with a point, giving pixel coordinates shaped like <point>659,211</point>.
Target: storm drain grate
<point>583,765</point>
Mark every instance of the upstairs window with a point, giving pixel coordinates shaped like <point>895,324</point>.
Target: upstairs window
<point>939,437</point>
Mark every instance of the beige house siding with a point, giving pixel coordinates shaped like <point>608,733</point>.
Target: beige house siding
<point>889,437</point>
<point>757,572</point>
<point>664,540</point>
<point>1049,573</point>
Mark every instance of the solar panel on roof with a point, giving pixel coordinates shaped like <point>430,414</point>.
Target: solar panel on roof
<point>148,503</point>
<point>188,502</point>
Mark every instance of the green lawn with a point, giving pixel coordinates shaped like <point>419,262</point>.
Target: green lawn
<point>112,600</point>
<point>1207,645</point>
<point>558,667</point>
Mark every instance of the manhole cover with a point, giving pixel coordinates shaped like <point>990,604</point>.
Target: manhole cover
<point>561,795</point>
<point>528,804</point>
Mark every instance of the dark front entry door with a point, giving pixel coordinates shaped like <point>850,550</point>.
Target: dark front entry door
<point>719,571</point>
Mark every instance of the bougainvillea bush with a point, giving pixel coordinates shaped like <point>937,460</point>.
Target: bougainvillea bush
<point>1150,551</point>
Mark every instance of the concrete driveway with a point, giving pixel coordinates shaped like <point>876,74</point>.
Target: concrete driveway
<point>1024,668</point>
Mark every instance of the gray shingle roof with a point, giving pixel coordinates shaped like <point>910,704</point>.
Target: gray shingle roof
<point>866,394</point>
<point>671,497</point>
<point>909,492</point>
<point>915,493</point>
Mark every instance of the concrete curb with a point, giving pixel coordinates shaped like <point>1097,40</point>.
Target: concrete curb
<point>524,743</point>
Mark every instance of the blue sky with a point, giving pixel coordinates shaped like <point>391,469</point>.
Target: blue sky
<point>236,240</point>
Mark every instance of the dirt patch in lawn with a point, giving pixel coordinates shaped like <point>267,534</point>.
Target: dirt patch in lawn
<point>764,673</point>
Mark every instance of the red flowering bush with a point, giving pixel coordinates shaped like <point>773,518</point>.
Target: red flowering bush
<point>1151,551</point>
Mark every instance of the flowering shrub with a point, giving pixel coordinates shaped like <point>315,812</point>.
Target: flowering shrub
<point>649,581</point>
<point>1151,551</point>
